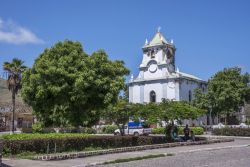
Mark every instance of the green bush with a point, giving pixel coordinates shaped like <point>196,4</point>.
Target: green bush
<point>37,127</point>
<point>232,131</point>
<point>109,129</point>
<point>196,130</point>
<point>160,130</point>
<point>25,136</point>
<point>46,143</point>
<point>248,121</point>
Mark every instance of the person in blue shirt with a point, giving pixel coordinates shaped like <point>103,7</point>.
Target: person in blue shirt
<point>174,135</point>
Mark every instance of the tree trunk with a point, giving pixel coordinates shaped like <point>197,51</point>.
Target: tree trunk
<point>123,130</point>
<point>227,119</point>
<point>13,110</point>
<point>168,131</point>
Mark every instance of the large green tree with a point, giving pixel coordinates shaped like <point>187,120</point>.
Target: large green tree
<point>227,92</point>
<point>15,70</point>
<point>66,86</point>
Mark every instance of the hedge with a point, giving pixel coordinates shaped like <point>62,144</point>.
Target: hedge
<point>160,130</point>
<point>196,130</point>
<point>232,132</point>
<point>25,136</point>
<point>61,130</point>
<point>65,144</point>
<point>109,129</point>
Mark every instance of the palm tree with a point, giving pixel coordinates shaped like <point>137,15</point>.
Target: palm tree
<point>14,69</point>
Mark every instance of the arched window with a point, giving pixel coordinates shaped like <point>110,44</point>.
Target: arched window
<point>152,96</point>
<point>189,96</point>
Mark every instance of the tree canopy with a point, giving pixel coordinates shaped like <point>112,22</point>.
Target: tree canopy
<point>168,111</point>
<point>171,110</point>
<point>66,86</point>
<point>227,91</point>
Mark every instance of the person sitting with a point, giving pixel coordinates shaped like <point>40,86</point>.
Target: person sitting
<point>186,131</point>
<point>192,136</point>
<point>174,135</point>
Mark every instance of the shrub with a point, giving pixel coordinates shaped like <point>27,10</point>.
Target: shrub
<point>160,130</point>
<point>37,127</point>
<point>248,121</point>
<point>232,131</point>
<point>24,136</point>
<point>109,129</point>
<point>79,143</point>
<point>196,130</point>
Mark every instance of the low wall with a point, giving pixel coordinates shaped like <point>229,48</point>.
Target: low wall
<point>126,149</point>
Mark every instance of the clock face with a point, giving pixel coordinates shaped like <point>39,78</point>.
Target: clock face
<point>153,68</point>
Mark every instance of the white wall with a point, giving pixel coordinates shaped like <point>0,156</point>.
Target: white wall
<point>185,87</point>
<point>171,90</point>
<point>157,87</point>
<point>135,94</point>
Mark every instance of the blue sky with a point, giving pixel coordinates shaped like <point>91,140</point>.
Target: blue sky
<point>209,35</point>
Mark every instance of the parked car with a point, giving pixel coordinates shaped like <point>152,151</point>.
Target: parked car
<point>135,128</point>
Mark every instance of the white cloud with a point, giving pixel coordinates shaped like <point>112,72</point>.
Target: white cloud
<point>15,34</point>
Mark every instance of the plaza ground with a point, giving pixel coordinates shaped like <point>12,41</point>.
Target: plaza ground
<point>231,157</point>
<point>228,154</point>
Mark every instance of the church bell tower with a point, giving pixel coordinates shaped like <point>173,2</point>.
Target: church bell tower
<point>158,57</point>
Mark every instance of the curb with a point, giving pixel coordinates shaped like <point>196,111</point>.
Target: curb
<point>125,149</point>
<point>222,137</point>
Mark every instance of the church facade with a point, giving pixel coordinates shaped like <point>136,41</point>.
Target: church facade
<point>158,76</point>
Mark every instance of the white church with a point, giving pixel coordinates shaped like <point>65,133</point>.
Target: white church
<point>159,78</point>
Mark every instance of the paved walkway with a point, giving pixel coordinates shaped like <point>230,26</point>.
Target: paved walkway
<point>102,158</point>
<point>230,157</point>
